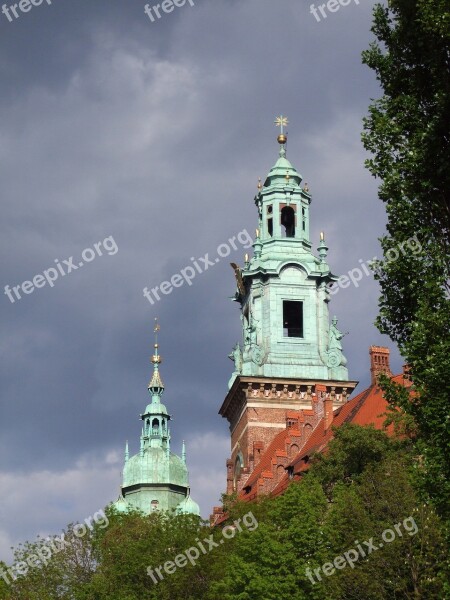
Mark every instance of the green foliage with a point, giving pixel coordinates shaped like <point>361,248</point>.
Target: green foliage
<point>270,562</point>
<point>351,451</point>
<point>408,134</point>
<point>4,589</point>
<point>133,543</point>
<point>360,488</point>
<point>65,570</point>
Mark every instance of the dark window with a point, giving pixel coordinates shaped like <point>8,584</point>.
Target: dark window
<point>292,319</point>
<point>270,227</point>
<point>288,221</point>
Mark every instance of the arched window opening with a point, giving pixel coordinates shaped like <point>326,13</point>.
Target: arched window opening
<point>237,469</point>
<point>288,221</point>
<point>307,430</point>
<point>155,427</point>
<point>293,450</point>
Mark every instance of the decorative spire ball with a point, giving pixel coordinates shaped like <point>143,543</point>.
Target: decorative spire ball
<point>259,183</point>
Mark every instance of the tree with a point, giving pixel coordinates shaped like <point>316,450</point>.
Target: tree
<point>135,543</point>
<point>48,569</point>
<point>270,562</point>
<point>352,450</point>
<point>408,134</point>
<point>4,591</point>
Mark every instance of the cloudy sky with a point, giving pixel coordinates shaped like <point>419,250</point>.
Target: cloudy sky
<point>155,133</point>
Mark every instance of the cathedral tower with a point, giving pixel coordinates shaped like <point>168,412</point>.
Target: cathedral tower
<point>290,366</point>
<point>156,478</point>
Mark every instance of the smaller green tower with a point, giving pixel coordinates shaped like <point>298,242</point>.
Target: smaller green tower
<point>156,478</point>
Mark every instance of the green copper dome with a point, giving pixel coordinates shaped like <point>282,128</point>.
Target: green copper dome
<point>121,505</point>
<point>155,466</point>
<point>188,507</point>
<point>280,170</point>
<point>155,408</point>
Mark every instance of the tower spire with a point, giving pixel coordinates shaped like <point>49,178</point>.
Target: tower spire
<point>156,385</point>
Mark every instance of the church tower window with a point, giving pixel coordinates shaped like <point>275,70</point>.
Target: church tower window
<point>288,221</point>
<point>270,220</point>
<point>292,318</point>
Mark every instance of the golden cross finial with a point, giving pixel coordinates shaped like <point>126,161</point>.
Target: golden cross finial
<point>281,122</point>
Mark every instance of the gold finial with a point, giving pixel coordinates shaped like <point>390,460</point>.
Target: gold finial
<point>257,233</point>
<point>246,258</point>
<point>306,188</point>
<point>156,359</point>
<point>322,236</point>
<point>259,183</point>
<point>287,177</point>
<point>281,122</point>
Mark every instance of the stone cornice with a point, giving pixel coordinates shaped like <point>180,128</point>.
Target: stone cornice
<point>282,391</point>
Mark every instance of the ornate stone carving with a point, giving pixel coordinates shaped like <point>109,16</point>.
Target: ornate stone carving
<point>335,357</point>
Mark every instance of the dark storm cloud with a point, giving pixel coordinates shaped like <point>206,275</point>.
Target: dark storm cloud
<point>156,133</point>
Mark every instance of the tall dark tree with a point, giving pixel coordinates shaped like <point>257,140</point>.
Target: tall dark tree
<point>408,134</point>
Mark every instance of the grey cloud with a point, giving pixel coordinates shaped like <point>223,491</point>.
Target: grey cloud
<point>156,134</point>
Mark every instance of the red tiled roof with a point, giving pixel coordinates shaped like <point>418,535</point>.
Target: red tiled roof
<point>292,414</point>
<point>278,443</point>
<point>367,408</point>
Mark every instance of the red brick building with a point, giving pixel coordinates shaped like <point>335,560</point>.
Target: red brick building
<point>280,456</point>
